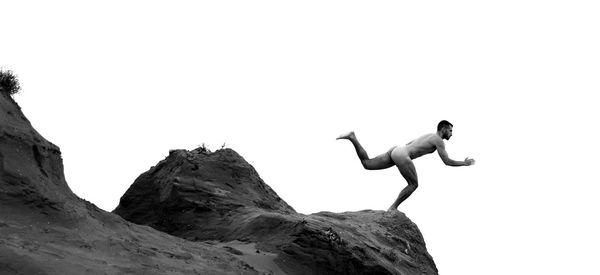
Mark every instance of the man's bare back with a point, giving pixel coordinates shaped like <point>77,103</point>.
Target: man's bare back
<point>402,157</point>
<point>423,145</point>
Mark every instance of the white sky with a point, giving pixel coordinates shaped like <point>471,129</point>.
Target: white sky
<point>116,84</point>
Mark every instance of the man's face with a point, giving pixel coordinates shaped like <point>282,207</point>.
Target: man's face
<point>447,133</point>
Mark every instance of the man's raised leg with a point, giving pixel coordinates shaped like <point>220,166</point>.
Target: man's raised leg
<point>380,162</point>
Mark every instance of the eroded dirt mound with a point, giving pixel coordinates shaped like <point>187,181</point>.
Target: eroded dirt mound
<point>219,198</point>
<point>221,218</point>
<point>46,229</point>
<point>194,190</point>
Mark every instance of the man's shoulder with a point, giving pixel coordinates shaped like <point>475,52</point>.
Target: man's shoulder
<point>435,139</point>
<point>428,140</point>
<point>431,136</point>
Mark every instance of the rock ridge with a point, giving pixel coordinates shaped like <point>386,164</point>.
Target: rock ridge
<point>219,197</point>
<point>46,229</point>
<point>195,212</point>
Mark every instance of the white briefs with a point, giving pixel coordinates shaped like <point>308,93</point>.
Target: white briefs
<point>399,155</point>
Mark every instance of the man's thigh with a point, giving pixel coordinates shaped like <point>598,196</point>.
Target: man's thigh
<point>408,171</point>
<point>382,161</point>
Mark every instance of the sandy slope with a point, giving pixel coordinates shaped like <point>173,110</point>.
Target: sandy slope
<point>32,244</point>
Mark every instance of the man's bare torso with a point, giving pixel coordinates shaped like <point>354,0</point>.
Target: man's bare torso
<point>401,156</point>
<point>423,145</point>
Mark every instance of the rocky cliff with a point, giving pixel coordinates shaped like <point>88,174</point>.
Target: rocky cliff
<point>195,212</point>
<point>202,196</point>
<point>46,229</point>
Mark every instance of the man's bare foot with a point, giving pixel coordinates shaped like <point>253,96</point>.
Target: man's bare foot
<point>348,135</point>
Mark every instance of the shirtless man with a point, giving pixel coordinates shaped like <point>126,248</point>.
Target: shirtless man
<point>402,157</point>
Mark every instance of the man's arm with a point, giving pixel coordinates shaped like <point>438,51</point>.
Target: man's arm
<point>441,148</point>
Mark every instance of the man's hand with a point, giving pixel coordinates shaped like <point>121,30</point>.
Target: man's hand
<point>469,162</point>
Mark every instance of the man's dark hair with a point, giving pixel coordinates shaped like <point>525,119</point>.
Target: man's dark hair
<point>443,124</point>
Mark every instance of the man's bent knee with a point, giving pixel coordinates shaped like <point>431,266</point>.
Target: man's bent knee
<point>412,185</point>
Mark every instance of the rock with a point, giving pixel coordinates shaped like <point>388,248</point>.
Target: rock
<point>203,196</point>
<point>207,213</point>
<point>46,229</point>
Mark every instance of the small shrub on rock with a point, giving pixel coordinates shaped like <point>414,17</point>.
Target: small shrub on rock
<point>8,83</point>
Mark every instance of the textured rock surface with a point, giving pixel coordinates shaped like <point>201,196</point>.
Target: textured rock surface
<point>46,229</point>
<point>191,191</point>
<point>221,218</point>
<point>203,196</point>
